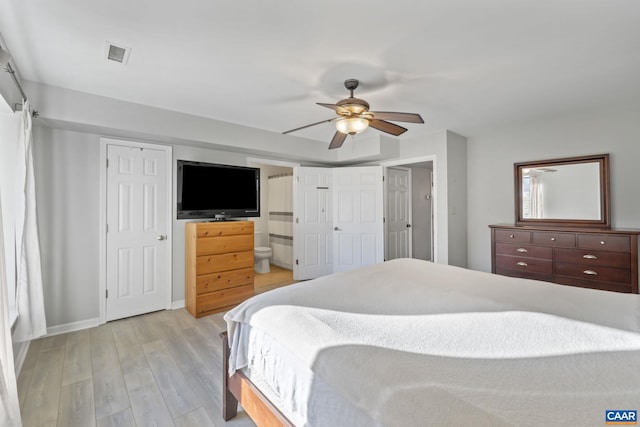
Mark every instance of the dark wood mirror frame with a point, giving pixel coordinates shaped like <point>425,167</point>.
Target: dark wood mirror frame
<point>604,222</point>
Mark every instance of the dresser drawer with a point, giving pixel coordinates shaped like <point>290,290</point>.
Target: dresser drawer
<point>594,284</point>
<point>524,274</point>
<point>604,242</point>
<point>524,264</point>
<point>223,280</point>
<point>596,258</point>
<point>512,236</point>
<point>566,240</point>
<point>224,244</point>
<point>598,273</point>
<point>223,262</point>
<point>215,301</point>
<point>524,250</point>
<point>212,229</point>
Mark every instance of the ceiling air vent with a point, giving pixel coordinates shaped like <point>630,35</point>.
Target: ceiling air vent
<point>117,53</point>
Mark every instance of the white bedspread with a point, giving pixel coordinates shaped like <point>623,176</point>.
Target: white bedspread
<point>411,343</point>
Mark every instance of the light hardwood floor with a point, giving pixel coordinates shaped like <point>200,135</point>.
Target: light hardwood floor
<point>158,369</point>
<point>276,278</point>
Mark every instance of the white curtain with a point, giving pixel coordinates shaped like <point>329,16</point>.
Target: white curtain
<point>535,195</point>
<point>29,295</point>
<point>9,404</point>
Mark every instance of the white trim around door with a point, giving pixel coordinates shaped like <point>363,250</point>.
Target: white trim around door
<point>102,226</point>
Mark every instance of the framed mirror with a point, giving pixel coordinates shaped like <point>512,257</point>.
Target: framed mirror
<point>569,192</point>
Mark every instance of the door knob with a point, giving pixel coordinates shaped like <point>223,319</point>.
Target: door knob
<point>161,237</point>
<point>408,225</point>
<point>337,228</point>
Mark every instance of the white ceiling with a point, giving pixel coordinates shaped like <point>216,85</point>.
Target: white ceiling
<point>462,64</point>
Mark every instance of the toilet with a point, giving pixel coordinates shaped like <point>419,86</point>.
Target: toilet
<point>261,253</point>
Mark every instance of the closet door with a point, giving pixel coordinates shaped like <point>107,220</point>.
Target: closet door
<point>358,237</point>
<point>137,216</point>
<point>313,236</point>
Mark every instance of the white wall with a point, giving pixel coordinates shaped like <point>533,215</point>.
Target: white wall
<point>9,134</point>
<point>492,153</point>
<point>66,167</point>
<point>457,198</point>
<point>8,90</point>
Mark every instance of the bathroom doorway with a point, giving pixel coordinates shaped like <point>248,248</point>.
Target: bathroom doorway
<point>274,227</point>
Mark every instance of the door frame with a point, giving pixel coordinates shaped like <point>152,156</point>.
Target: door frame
<point>386,209</point>
<point>102,226</point>
<point>434,194</point>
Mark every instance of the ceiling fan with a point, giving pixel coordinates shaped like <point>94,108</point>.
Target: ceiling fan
<point>354,117</point>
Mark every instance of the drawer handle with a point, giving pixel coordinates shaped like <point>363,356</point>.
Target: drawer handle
<point>553,239</point>
<point>521,250</point>
<point>522,264</point>
<point>602,242</point>
<point>588,256</point>
<point>511,236</point>
<point>590,272</point>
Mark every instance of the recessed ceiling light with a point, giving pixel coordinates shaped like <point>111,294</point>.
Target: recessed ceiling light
<point>117,53</point>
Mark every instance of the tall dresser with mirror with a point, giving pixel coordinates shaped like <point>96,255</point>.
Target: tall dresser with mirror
<point>562,232</point>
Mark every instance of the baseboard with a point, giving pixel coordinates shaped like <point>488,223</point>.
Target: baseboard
<point>20,355</point>
<point>177,304</point>
<point>73,326</point>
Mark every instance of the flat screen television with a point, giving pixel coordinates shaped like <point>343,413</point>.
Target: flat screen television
<point>213,191</point>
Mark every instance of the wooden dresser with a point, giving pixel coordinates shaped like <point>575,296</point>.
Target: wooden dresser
<point>604,259</point>
<point>218,265</point>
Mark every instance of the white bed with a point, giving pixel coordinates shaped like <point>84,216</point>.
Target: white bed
<point>410,342</point>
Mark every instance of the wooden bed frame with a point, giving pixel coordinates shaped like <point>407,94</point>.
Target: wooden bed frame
<point>239,389</point>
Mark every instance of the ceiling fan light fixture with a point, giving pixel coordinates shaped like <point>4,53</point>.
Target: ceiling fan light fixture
<point>352,125</point>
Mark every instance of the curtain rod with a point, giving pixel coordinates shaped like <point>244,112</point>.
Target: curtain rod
<point>11,71</point>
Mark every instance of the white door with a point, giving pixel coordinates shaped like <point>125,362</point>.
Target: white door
<point>313,223</point>
<point>137,223</point>
<point>358,237</point>
<point>398,216</point>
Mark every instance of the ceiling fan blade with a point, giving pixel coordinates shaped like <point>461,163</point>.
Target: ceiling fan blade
<point>387,127</point>
<point>307,126</point>
<point>397,117</point>
<point>338,109</point>
<point>338,140</point>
